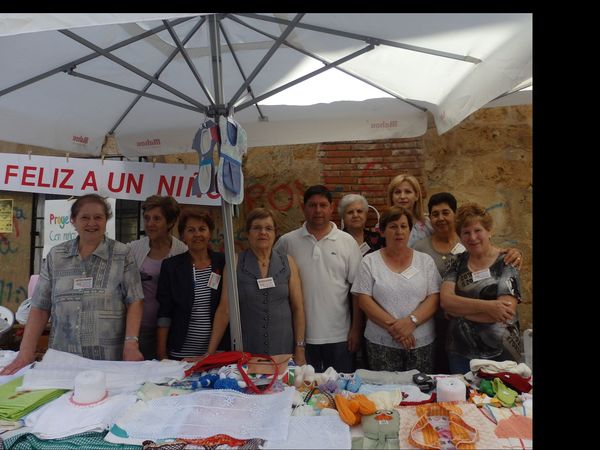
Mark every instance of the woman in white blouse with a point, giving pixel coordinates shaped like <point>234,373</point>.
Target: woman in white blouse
<point>398,290</point>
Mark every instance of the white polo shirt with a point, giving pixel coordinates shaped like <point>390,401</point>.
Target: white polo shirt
<point>327,270</point>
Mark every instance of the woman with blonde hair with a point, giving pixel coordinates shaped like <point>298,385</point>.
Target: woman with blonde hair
<point>405,191</point>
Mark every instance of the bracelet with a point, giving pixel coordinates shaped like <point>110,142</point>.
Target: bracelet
<point>132,338</point>
<point>300,344</point>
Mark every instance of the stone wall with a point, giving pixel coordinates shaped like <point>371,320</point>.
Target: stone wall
<point>487,159</point>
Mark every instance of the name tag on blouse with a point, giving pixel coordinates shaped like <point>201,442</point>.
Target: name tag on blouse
<point>214,280</point>
<point>83,283</point>
<point>410,272</point>
<point>457,249</point>
<point>265,283</point>
<point>481,275</point>
<point>364,248</point>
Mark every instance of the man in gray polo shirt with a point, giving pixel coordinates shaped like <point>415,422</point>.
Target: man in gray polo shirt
<point>328,260</point>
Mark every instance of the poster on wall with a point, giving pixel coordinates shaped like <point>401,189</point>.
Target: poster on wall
<point>6,215</point>
<point>57,223</point>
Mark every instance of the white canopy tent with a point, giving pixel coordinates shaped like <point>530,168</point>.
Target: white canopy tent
<point>69,80</point>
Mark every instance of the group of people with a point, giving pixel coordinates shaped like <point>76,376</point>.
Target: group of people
<point>435,292</point>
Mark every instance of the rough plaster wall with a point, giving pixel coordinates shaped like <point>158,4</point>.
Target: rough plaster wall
<point>488,159</point>
<point>14,251</point>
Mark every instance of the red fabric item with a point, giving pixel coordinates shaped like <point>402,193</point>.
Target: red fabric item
<point>512,380</point>
<point>217,360</point>
<point>247,379</point>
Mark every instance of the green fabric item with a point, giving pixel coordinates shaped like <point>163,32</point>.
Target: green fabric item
<point>486,387</point>
<point>503,393</point>
<point>380,431</point>
<point>14,405</point>
<point>84,441</point>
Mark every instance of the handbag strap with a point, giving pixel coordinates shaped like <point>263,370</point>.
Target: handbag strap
<point>249,381</point>
<point>216,360</point>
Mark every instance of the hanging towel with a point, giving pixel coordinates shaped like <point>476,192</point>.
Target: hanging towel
<point>207,138</point>
<point>234,144</point>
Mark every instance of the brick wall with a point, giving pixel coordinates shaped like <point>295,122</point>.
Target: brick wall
<point>366,168</point>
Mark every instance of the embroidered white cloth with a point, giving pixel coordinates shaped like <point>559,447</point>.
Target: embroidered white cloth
<point>62,418</point>
<point>205,413</point>
<point>58,370</point>
<point>314,432</point>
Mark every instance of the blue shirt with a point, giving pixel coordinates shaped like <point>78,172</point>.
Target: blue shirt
<point>88,321</point>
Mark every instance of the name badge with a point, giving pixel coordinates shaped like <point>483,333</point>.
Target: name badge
<point>364,248</point>
<point>410,272</point>
<point>214,280</point>
<point>265,283</point>
<point>457,249</point>
<point>83,283</point>
<point>481,275</point>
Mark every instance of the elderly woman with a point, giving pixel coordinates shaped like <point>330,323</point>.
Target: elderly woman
<point>91,288</point>
<point>480,293</point>
<point>398,290</point>
<point>160,216</point>
<point>405,191</point>
<point>353,210</point>
<point>270,291</point>
<point>193,313</point>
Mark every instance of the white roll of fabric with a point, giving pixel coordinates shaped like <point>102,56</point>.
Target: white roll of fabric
<point>451,390</point>
<point>90,387</point>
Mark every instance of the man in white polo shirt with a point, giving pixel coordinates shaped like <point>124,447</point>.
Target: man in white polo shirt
<point>328,260</point>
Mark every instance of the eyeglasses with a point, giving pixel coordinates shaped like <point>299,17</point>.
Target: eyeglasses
<point>258,229</point>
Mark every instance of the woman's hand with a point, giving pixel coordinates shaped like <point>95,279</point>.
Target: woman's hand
<point>512,257</point>
<point>131,351</point>
<point>299,356</point>
<point>407,342</point>
<point>195,358</point>
<point>500,310</point>
<point>22,360</point>
<point>401,328</point>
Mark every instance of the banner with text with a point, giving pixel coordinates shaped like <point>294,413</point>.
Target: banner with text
<point>128,180</point>
<point>57,223</point>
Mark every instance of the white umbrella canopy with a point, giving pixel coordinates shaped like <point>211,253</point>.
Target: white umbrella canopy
<point>383,72</point>
<point>69,80</point>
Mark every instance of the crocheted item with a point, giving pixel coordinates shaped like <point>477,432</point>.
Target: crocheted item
<point>503,393</point>
<point>204,413</point>
<point>513,380</point>
<point>206,139</point>
<point>519,427</point>
<point>440,426</point>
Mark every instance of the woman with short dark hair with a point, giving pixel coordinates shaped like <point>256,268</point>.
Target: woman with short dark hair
<point>160,215</point>
<point>398,290</point>
<point>193,314</point>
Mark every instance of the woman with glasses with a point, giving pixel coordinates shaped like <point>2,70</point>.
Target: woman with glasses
<point>270,293</point>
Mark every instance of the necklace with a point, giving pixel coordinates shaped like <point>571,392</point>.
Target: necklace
<point>264,263</point>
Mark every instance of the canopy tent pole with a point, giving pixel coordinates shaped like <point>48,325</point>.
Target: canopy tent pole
<point>226,208</point>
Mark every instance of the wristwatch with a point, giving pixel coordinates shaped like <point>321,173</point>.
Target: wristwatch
<point>132,338</point>
<point>413,319</point>
<point>300,344</point>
